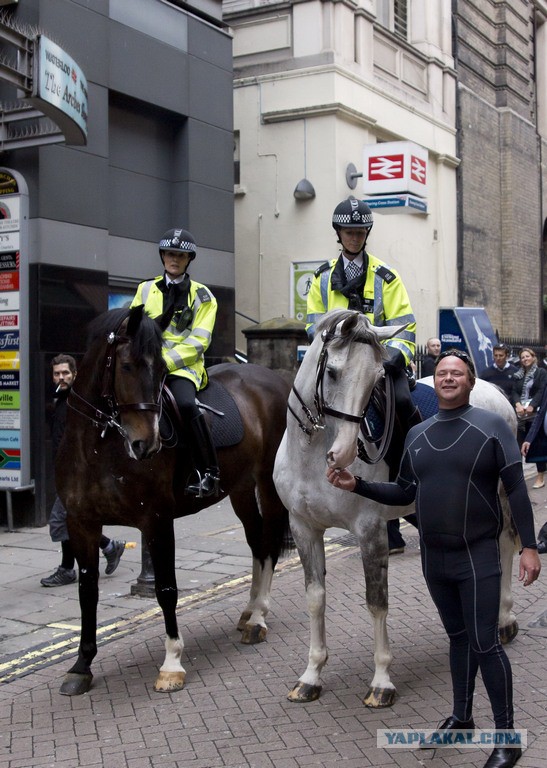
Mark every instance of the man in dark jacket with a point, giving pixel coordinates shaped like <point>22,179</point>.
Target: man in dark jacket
<point>501,371</point>
<point>64,372</point>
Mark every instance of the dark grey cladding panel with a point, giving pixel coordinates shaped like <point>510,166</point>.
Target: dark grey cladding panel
<point>97,127</point>
<point>139,205</point>
<point>204,154</point>
<point>81,29</point>
<point>210,44</point>
<point>148,70</point>
<point>142,138</point>
<point>210,94</point>
<point>211,213</point>
<point>73,187</point>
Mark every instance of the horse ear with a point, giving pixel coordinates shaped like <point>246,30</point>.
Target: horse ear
<point>349,323</point>
<point>134,319</point>
<point>388,331</point>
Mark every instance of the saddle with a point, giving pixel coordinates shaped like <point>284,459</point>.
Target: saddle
<point>220,410</point>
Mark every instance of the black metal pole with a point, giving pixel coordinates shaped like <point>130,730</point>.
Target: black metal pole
<point>145,584</point>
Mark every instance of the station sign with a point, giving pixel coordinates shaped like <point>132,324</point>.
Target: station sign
<point>397,204</point>
<point>395,166</point>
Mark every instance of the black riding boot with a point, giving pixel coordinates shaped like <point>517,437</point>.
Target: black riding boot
<point>206,461</point>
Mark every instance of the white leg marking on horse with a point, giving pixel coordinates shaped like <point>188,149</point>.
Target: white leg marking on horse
<point>173,654</point>
<point>258,606</point>
<point>172,674</point>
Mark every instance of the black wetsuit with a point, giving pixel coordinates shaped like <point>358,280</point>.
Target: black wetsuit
<point>451,466</point>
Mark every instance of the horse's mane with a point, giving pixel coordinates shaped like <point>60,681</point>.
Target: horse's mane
<point>356,327</point>
<point>145,333</point>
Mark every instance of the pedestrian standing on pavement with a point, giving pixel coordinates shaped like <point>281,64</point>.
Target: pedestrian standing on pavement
<point>433,349</point>
<point>501,371</point>
<point>63,369</point>
<point>451,467</point>
<point>534,448</point>
<point>529,383</point>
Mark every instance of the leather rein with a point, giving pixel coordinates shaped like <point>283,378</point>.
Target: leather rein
<point>316,421</point>
<point>103,419</point>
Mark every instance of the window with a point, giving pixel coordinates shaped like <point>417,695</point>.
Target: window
<point>393,14</point>
<point>237,178</point>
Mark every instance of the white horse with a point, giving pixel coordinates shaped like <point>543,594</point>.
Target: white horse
<point>330,394</point>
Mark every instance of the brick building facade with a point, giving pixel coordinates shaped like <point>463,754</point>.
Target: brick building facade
<point>499,60</point>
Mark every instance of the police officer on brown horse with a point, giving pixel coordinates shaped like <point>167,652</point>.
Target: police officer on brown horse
<point>186,340</point>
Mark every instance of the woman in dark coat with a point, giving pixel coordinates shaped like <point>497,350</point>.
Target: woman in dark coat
<point>529,386</point>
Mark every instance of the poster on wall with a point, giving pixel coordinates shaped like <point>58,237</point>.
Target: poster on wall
<point>301,280</point>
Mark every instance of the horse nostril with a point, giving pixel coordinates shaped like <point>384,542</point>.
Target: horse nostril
<point>139,448</point>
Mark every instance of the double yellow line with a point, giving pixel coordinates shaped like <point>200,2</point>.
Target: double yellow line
<point>49,654</point>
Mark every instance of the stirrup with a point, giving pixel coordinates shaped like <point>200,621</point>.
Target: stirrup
<point>206,485</point>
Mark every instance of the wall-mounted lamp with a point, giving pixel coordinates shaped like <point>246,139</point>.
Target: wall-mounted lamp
<point>304,190</point>
<point>352,175</point>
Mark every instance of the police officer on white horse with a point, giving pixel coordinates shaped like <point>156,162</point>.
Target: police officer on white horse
<point>358,280</point>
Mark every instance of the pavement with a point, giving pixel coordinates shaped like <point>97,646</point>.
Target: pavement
<point>233,711</point>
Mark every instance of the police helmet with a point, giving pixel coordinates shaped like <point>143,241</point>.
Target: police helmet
<point>352,213</point>
<point>178,240</point>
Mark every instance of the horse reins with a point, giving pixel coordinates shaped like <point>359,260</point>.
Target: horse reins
<point>323,409</point>
<point>99,417</point>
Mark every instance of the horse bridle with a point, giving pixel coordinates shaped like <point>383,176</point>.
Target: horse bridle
<point>100,418</point>
<point>317,421</point>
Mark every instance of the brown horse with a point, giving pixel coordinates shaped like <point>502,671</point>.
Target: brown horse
<point>110,470</point>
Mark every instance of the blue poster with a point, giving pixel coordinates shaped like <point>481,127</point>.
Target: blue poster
<point>468,329</point>
<point>9,341</point>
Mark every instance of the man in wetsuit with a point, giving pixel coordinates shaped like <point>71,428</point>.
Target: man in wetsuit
<point>468,450</point>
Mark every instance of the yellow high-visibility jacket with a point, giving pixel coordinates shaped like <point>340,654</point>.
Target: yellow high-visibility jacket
<point>184,347</point>
<point>385,300</point>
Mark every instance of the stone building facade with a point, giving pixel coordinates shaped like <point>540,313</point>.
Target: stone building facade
<point>316,81</point>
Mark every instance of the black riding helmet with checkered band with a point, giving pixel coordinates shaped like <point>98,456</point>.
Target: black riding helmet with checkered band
<point>352,213</point>
<point>178,240</point>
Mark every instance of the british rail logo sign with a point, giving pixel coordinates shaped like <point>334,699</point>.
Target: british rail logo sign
<point>395,167</point>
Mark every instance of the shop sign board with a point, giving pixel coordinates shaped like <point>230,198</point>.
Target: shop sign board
<point>14,343</point>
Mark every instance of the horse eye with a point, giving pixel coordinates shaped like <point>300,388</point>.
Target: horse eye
<point>126,367</point>
<point>332,373</point>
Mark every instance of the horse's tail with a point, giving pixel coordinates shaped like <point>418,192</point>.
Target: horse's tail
<point>287,542</point>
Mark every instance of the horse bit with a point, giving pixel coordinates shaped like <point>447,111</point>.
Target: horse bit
<point>96,415</point>
<point>317,422</point>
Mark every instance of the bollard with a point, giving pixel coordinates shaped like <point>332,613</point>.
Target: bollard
<point>145,584</point>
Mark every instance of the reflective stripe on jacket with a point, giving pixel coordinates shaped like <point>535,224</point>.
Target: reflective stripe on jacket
<point>183,349</point>
<point>391,305</point>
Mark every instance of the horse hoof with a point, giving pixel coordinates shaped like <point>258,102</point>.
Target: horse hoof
<point>304,693</point>
<point>509,632</point>
<point>379,697</point>
<point>75,684</point>
<point>252,635</point>
<point>243,619</point>
<point>169,681</point>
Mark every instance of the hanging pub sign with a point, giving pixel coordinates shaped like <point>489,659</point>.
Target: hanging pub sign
<point>60,90</point>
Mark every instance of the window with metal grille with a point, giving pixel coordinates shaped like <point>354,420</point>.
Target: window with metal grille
<point>400,17</point>
<point>393,14</point>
